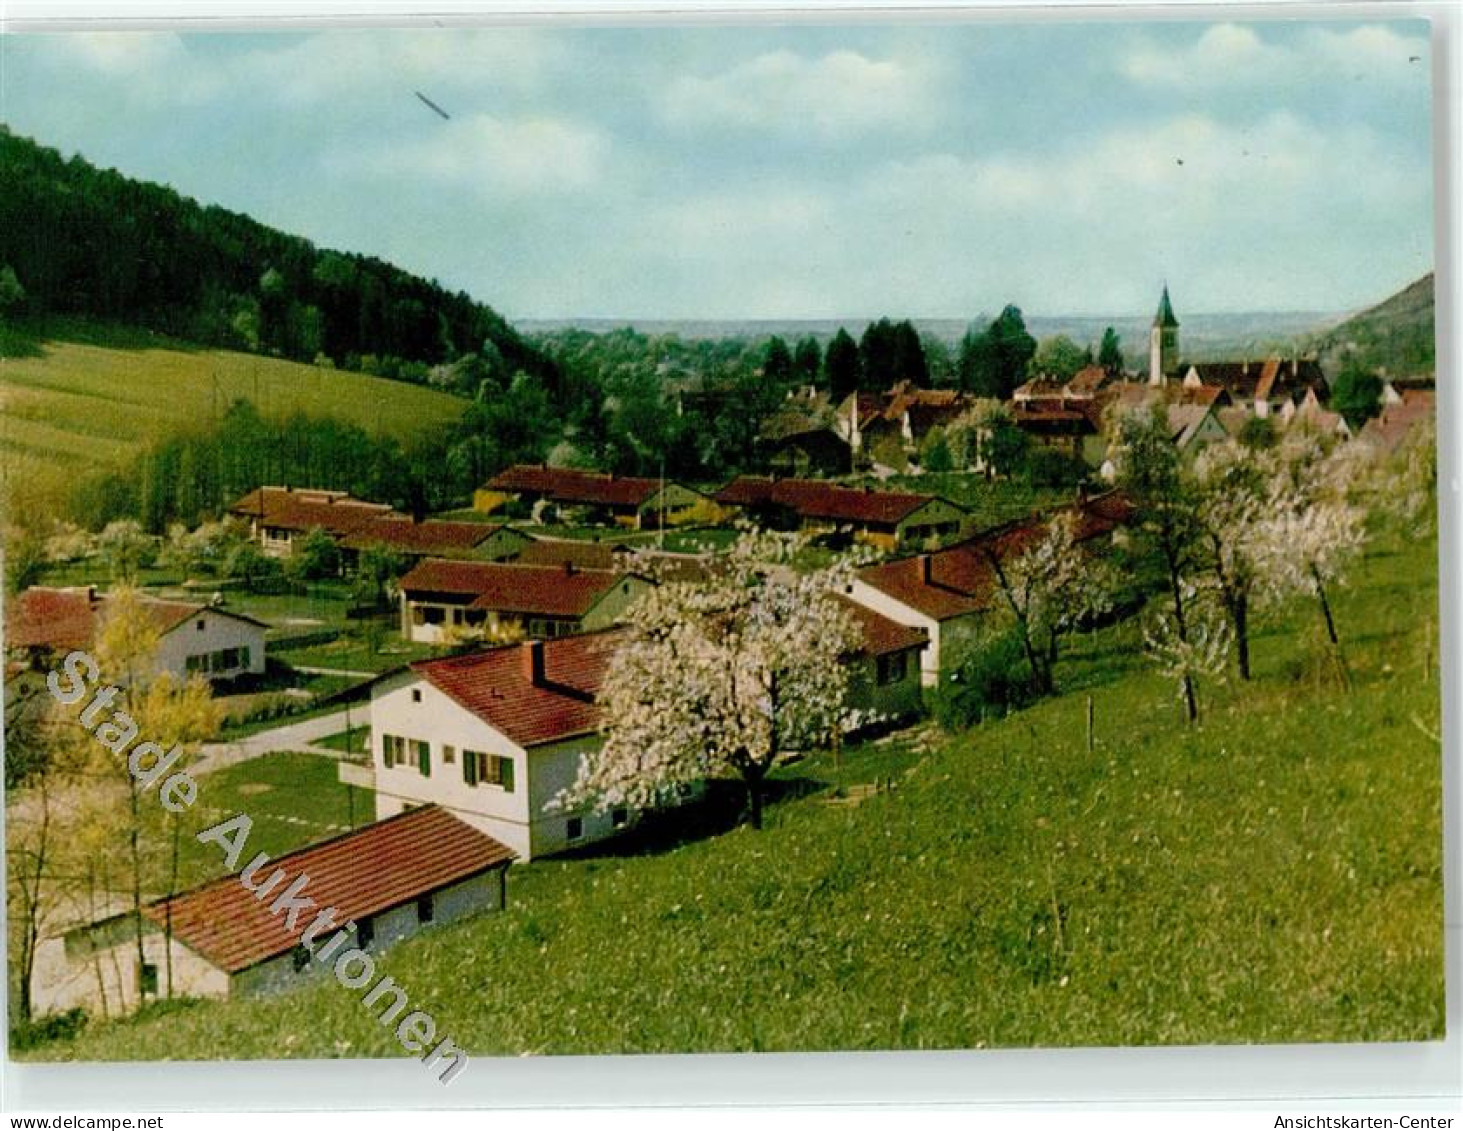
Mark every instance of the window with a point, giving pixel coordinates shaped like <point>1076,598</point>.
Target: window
<point>365,933</point>
<point>892,668</point>
<point>487,769</point>
<point>200,624</point>
<point>424,909</point>
<point>574,827</point>
<point>424,757</point>
<point>416,694</point>
<point>393,750</point>
<point>417,616</point>
<point>449,755</point>
<point>147,979</point>
<point>432,615</point>
<point>195,664</point>
<point>620,818</point>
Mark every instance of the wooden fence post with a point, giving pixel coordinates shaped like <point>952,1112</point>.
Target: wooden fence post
<point>1090,739</point>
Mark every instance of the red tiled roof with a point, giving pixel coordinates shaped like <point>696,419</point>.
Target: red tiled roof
<point>1088,380</point>
<point>431,536</point>
<point>829,501</point>
<point>495,685</point>
<point>360,873</point>
<point>562,591</point>
<point>881,635</point>
<point>959,579</point>
<point>575,551</point>
<point>566,485</point>
<point>300,509</point>
<point>42,617</point>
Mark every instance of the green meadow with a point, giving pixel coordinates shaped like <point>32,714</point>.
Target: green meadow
<point>76,398</point>
<point>1273,874</point>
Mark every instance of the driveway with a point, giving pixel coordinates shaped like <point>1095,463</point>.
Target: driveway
<point>300,735</point>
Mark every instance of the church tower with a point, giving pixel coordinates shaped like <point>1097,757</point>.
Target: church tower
<point>1163,341</point>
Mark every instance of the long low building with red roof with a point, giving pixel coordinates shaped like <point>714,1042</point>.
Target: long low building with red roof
<point>392,879</point>
<point>624,500</point>
<point>887,519</point>
<point>951,593</point>
<point>494,735</point>
<point>443,599</point>
<point>43,623</point>
<point>278,516</point>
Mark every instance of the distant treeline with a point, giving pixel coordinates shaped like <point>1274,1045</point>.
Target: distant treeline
<point>92,242</point>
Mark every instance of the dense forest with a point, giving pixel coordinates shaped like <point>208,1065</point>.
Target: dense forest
<point>85,241</point>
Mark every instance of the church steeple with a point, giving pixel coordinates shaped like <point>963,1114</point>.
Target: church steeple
<point>1163,341</point>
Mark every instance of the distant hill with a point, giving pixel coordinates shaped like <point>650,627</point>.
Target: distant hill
<point>94,243</point>
<point>1396,337</point>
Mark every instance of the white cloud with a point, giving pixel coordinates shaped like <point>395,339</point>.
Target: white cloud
<point>117,54</point>
<point>1239,55</point>
<point>838,95</point>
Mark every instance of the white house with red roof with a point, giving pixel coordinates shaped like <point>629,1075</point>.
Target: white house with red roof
<point>495,735</point>
<point>207,640</point>
<point>492,737</point>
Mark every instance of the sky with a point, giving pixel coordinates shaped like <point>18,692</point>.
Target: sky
<point>913,169</point>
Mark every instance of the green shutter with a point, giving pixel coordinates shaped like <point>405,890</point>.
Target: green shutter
<point>505,766</point>
<point>424,758</point>
<point>470,767</point>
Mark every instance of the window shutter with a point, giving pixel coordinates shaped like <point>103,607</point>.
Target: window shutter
<point>470,767</point>
<point>386,751</point>
<point>424,758</point>
<point>505,769</point>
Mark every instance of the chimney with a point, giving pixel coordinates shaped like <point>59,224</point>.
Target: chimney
<point>532,657</point>
<point>91,594</point>
<point>925,570</point>
<point>568,568</point>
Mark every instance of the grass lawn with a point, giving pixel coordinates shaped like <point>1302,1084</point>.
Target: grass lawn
<point>352,654</point>
<point>1273,874</point>
<point>292,798</point>
<point>83,397</point>
<point>355,741</point>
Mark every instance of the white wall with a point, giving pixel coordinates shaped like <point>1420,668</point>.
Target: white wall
<point>518,819</point>
<point>99,972</point>
<point>876,599</point>
<point>218,632</point>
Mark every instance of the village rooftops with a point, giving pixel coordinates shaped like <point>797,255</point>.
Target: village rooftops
<point>811,499</point>
<point>42,617</point>
<point>433,536</point>
<point>543,590</point>
<point>565,485</point>
<point>961,579</point>
<point>1260,380</point>
<point>361,873</point>
<point>881,635</point>
<point>535,693</point>
<point>301,509</point>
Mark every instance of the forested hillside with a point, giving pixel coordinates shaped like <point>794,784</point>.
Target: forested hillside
<point>91,242</point>
<point>1397,336</point>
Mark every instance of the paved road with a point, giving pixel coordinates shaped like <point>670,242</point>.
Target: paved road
<point>290,736</point>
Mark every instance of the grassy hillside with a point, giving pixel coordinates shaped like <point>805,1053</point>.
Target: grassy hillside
<point>77,398</point>
<point>1396,336</point>
<point>1272,875</point>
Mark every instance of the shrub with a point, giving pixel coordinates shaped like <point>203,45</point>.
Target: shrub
<point>991,680</point>
<point>52,1027</point>
<point>1048,467</point>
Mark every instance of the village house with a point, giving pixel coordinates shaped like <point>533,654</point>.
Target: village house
<point>421,868</point>
<point>1390,429</point>
<point>951,593</point>
<point>432,538</point>
<point>903,415</point>
<point>495,735</point>
<point>279,516</point>
<point>886,519</point>
<point>446,600</point>
<point>594,497</point>
<point>43,624</point>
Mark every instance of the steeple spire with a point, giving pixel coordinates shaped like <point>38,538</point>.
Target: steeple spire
<point>1164,318</point>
